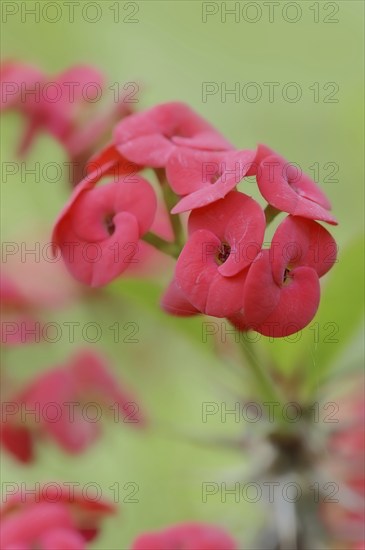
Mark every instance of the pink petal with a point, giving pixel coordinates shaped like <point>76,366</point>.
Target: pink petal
<point>18,441</point>
<point>278,187</point>
<point>298,304</point>
<point>90,511</point>
<point>188,170</point>
<point>138,198</point>
<point>151,150</point>
<point>171,119</point>
<point>31,522</point>
<point>208,141</point>
<point>27,330</point>
<point>275,310</point>
<point>110,161</point>
<point>152,541</point>
<point>225,295</point>
<point>190,536</point>
<point>196,267</point>
<point>10,295</point>
<point>50,394</point>
<point>188,173</point>
<point>62,538</point>
<point>105,260</point>
<point>149,137</point>
<point>307,188</point>
<point>236,220</point>
<point>261,293</point>
<point>14,75</point>
<point>199,279</point>
<point>175,302</point>
<point>302,242</point>
<point>262,152</point>
<point>20,545</point>
<point>118,251</point>
<point>73,433</point>
<point>94,378</point>
<point>78,76</point>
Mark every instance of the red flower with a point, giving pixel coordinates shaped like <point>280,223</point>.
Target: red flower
<point>211,269</point>
<point>190,536</point>
<point>15,75</point>
<point>99,229</point>
<point>60,398</point>
<point>149,138</point>
<point>282,292</point>
<point>43,525</point>
<point>60,105</point>
<point>205,177</point>
<point>51,104</point>
<point>287,188</point>
<point>53,516</point>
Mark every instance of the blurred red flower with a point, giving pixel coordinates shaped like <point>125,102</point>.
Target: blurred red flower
<point>66,404</point>
<point>53,516</point>
<point>190,536</point>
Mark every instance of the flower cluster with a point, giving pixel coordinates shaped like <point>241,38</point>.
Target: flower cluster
<point>223,269</point>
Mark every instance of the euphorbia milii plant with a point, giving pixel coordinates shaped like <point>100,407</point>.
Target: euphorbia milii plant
<point>228,265</point>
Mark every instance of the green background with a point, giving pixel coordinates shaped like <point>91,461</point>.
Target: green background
<point>171,52</point>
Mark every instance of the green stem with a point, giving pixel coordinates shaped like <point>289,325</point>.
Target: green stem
<point>165,246</point>
<point>171,248</point>
<point>270,213</point>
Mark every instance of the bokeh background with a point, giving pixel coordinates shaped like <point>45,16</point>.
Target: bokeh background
<point>171,53</point>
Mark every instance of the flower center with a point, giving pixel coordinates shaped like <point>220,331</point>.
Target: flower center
<point>223,253</point>
<point>109,223</point>
<point>287,276</point>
